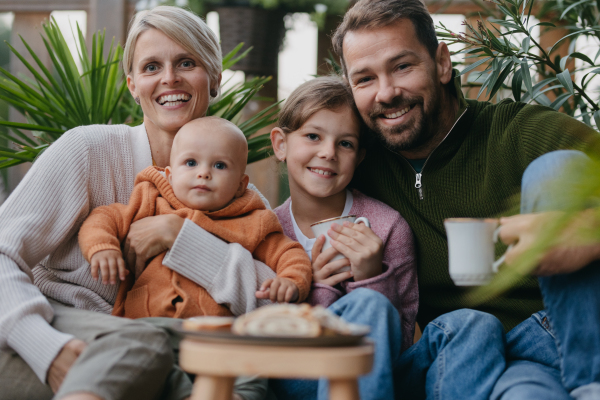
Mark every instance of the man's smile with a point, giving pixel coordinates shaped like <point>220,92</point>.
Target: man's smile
<point>392,115</point>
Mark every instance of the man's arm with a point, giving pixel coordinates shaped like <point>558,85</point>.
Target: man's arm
<point>39,215</point>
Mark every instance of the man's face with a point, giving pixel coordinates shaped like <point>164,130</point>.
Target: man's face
<point>396,84</point>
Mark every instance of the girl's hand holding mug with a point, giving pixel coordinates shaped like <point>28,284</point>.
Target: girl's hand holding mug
<point>362,247</point>
<point>326,271</point>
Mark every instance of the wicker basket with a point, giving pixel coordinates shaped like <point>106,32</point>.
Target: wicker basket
<point>262,29</point>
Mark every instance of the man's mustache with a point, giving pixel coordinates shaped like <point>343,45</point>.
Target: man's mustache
<point>396,104</point>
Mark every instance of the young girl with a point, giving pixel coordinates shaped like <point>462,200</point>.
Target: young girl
<point>319,139</point>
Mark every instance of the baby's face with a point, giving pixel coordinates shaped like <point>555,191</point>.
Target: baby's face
<point>207,167</point>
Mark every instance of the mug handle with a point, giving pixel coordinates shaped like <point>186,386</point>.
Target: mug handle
<point>364,220</point>
<point>500,260</point>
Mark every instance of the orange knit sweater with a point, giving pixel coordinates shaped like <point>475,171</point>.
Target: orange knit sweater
<point>160,292</point>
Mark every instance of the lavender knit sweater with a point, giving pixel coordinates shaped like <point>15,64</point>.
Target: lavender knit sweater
<point>398,282</point>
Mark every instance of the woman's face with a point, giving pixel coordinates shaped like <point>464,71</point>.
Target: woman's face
<point>172,85</point>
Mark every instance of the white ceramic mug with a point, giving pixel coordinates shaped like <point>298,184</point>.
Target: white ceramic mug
<point>321,228</point>
<point>471,250</point>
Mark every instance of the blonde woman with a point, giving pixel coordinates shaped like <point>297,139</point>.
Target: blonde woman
<point>56,333</point>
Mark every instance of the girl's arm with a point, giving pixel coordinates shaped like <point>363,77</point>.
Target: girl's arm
<point>398,282</point>
<point>40,214</point>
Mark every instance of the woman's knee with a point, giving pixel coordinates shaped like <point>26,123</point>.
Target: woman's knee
<point>145,336</point>
<point>130,361</point>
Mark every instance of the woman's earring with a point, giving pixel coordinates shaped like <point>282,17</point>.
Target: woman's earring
<point>137,101</point>
<point>213,92</point>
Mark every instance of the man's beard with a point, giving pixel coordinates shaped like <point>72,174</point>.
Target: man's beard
<point>407,136</point>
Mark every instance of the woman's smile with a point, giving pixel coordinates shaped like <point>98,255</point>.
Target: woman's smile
<point>173,98</point>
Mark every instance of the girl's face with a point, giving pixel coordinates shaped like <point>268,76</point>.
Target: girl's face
<point>321,156</point>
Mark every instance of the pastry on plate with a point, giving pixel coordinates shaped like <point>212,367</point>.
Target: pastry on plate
<point>207,323</point>
<point>293,320</point>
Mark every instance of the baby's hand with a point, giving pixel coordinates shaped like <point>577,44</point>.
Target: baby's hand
<point>109,262</point>
<point>280,290</point>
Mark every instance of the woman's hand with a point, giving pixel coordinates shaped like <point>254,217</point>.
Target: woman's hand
<point>571,251</point>
<point>149,237</point>
<point>324,271</point>
<point>361,246</point>
<point>63,362</point>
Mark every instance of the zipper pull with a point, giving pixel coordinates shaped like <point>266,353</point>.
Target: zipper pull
<point>419,186</point>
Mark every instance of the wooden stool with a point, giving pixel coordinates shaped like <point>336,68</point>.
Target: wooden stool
<point>217,365</point>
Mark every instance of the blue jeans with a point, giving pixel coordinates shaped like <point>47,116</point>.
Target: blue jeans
<point>365,307</point>
<point>460,355</point>
<point>556,353</point>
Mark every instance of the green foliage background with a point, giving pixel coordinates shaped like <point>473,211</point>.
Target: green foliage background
<point>63,97</point>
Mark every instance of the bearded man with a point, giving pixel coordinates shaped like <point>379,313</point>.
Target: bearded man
<point>436,155</point>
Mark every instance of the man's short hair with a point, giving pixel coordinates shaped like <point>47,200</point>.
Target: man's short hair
<point>372,14</point>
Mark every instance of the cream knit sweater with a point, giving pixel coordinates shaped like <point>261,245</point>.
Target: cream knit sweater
<point>89,167</point>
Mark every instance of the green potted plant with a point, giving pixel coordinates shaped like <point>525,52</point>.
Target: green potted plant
<point>64,97</point>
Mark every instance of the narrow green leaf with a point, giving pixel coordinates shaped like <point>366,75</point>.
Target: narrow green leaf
<point>53,86</point>
<point>597,118</point>
<point>565,79</point>
<point>572,6</point>
<point>501,79</point>
<point>550,24</point>
<point>31,127</point>
<point>472,66</point>
<point>517,85</point>
<point>563,62</point>
<point>556,104</point>
<point>569,35</point>
<point>582,57</point>
<point>525,44</point>
<point>529,11</point>
<point>526,77</point>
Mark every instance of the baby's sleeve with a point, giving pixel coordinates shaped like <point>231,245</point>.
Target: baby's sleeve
<point>107,226</point>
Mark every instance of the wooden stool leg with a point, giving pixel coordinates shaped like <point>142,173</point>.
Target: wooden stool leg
<point>212,388</point>
<point>343,389</point>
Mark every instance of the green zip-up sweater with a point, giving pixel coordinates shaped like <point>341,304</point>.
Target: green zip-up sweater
<point>475,172</point>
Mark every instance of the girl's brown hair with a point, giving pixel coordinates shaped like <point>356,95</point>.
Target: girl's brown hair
<point>323,93</point>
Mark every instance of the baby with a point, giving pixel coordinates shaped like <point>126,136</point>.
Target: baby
<point>206,183</point>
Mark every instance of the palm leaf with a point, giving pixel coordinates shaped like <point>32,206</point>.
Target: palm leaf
<point>65,96</point>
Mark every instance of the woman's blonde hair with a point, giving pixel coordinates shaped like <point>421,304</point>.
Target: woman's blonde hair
<point>182,27</point>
